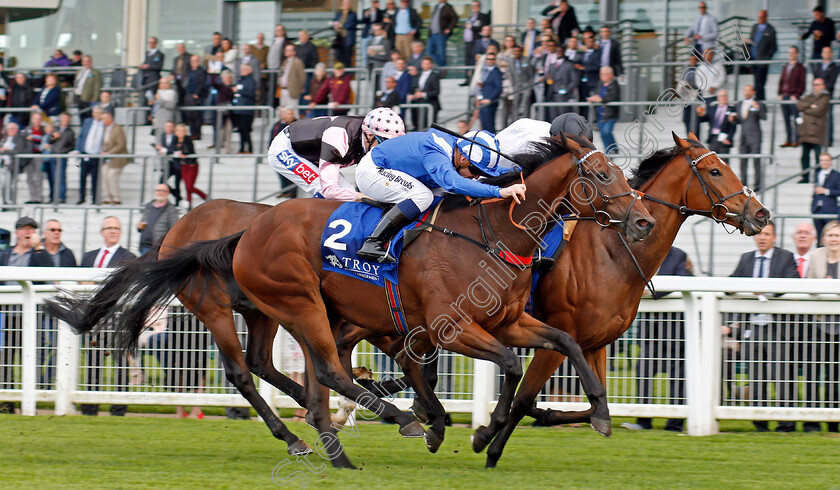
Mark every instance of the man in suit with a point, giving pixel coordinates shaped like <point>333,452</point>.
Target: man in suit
<point>292,80</point>
<point>591,65</point>
<point>244,95</point>
<point>13,143</point>
<point>490,89</point>
<point>814,108</point>
<point>90,143</point>
<point>827,70</point>
<point>762,45</point>
<point>530,39</point>
<point>214,47</point>
<point>195,92</point>
<point>662,339</point>
<point>721,126</point>
<point>472,32</point>
<point>373,15</point>
<point>152,65</point>
<point>826,192</point>
<point>246,57</point>
<point>110,255</point>
<point>425,90</point>
<point>562,82</point>
<point>443,22</point>
<point>418,52</point>
<point>766,350</point>
<point>480,46</point>
<point>562,19</point>
<point>306,51</point>
<point>608,91</point>
<point>86,86</point>
<point>113,142</point>
<point>748,114</point>
<point>378,50</point>
<point>62,141</point>
<point>181,70</point>
<point>791,87</point>
<point>610,52</point>
<point>703,32</point>
<point>521,75</point>
<point>389,97</point>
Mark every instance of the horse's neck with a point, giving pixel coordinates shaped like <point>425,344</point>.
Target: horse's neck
<point>669,188</point>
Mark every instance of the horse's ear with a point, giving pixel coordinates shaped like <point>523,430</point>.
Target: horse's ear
<point>681,143</point>
<point>571,144</point>
<point>562,139</point>
<point>693,136</point>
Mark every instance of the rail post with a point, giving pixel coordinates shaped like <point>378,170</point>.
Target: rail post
<point>483,374</point>
<point>28,356</point>
<point>67,369</point>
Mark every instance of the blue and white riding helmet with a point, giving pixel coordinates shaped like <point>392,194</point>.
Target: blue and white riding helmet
<point>482,158</point>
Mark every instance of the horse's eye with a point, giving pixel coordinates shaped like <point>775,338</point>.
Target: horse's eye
<point>603,176</point>
<point>715,173</point>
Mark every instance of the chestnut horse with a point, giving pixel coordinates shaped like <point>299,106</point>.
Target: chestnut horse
<point>676,183</point>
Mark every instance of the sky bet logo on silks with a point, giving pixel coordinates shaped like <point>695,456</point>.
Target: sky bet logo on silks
<point>297,167</point>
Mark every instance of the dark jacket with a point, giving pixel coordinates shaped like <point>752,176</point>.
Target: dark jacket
<point>182,75</point>
<point>348,36</point>
<point>751,125</point>
<point>615,56</point>
<point>792,81</point>
<point>728,127</point>
<point>196,87</point>
<point>20,95</point>
<point>413,18</point>
<point>448,17</point>
<point>612,94</point>
<point>367,21</point>
<point>491,88</point>
<point>827,203</point>
<point>829,74</point>
<point>65,142</point>
<point>390,99</point>
<point>766,46</point>
<point>674,264</point>
<point>481,20</point>
<point>42,258</point>
<point>781,265</point>
<point>21,145</point>
<point>827,28</point>
<point>246,95</point>
<point>308,53</point>
<point>49,100</point>
<point>5,254</point>
<point>120,256</point>
<point>186,147</point>
<point>568,23</point>
<point>431,88</point>
<point>155,62</point>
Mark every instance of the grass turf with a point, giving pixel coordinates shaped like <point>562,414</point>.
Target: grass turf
<point>48,452</point>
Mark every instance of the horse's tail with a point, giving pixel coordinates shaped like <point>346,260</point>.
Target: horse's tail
<point>133,290</point>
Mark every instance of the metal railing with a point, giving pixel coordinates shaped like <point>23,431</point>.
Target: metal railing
<point>709,373</point>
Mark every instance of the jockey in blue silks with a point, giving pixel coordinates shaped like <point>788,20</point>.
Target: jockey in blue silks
<point>408,170</point>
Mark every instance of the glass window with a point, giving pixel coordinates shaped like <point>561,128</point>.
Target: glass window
<point>191,22</point>
<point>255,17</point>
<point>78,24</point>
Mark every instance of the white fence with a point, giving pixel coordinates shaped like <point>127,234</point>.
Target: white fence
<point>779,363</point>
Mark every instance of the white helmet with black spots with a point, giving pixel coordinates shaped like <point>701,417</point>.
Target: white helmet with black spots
<point>480,156</point>
<point>383,123</point>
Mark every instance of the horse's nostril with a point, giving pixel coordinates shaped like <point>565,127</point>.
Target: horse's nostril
<point>643,224</point>
<point>761,213</point>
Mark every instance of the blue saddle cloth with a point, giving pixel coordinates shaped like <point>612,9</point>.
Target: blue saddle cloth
<point>551,241</point>
<point>346,231</point>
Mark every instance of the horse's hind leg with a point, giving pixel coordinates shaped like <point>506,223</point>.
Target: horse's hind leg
<point>220,323</point>
<point>432,407</point>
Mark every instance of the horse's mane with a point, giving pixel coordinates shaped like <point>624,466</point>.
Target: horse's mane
<point>529,160</point>
<point>651,165</point>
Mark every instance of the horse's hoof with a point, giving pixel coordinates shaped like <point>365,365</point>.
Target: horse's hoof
<point>299,448</point>
<point>479,440</point>
<point>310,419</point>
<point>414,429</point>
<point>420,411</point>
<point>433,442</point>
<point>601,426</point>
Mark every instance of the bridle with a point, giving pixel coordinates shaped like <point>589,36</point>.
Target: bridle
<point>719,212</point>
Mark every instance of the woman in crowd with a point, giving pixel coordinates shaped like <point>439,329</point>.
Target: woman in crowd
<point>180,147</point>
<point>824,348</point>
<point>230,53</point>
<point>319,77</point>
<point>49,100</point>
<point>165,106</point>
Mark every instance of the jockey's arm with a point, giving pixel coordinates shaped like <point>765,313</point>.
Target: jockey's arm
<point>331,187</point>
<point>443,172</point>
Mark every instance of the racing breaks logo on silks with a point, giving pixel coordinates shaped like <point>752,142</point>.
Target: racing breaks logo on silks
<point>395,178</point>
<point>287,158</point>
<point>334,261</point>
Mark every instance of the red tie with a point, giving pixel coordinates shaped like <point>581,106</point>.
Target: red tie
<point>800,266</point>
<point>102,260</point>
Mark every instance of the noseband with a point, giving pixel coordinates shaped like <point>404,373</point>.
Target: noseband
<point>719,212</point>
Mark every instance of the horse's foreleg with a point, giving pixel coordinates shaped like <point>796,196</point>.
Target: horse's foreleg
<point>529,332</point>
<point>597,360</point>
<point>259,355</point>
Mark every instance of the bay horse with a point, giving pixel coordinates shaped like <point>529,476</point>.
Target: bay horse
<point>675,183</point>
<point>212,260</point>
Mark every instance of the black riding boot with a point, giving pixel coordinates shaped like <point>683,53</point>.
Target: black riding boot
<point>374,246</point>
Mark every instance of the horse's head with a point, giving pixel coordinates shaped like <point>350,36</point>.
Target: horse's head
<point>714,190</point>
<point>601,190</point>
